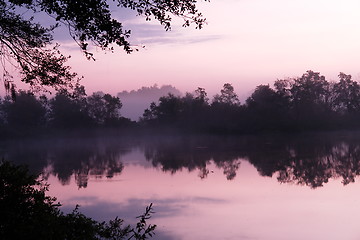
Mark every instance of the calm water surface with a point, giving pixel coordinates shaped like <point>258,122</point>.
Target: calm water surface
<point>303,187</point>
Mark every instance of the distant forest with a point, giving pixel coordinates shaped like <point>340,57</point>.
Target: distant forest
<point>305,103</point>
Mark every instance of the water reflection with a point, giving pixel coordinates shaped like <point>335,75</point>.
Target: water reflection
<point>306,160</point>
<point>65,157</point>
<point>172,155</point>
<point>309,160</point>
<point>84,159</point>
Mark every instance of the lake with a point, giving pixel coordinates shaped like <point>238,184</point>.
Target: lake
<point>205,187</point>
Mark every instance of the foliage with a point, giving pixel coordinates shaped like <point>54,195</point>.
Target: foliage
<point>68,112</point>
<point>193,112</point>
<point>28,213</point>
<point>308,102</point>
<point>29,113</point>
<point>305,103</point>
<point>201,96</point>
<point>346,94</point>
<point>28,45</point>
<point>267,109</point>
<point>24,44</point>
<point>103,108</point>
<point>176,111</point>
<point>227,96</point>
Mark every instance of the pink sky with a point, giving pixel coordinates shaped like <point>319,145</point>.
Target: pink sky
<point>246,43</point>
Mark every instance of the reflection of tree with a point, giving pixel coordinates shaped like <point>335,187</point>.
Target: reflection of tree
<point>310,160</point>
<point>83,158</point>
<point>305,160</point>
<point>346,158</point>
<point>330,164</point>
<point>173,155</point>
<point>229,162</point>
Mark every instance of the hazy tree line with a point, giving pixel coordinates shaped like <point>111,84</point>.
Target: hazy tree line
<point>309,102</point>
<point>27,112</point>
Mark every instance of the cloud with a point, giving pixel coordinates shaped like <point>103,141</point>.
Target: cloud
<point>143,33</point>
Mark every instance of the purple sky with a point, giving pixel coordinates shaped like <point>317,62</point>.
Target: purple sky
<point>246,43</point>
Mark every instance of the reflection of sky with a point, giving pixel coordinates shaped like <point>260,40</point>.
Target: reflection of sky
<point>135,157</point>
<point>188,207</point>
<point>249,207</point>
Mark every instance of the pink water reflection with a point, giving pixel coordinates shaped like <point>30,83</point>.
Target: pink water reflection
<point>248,207</point>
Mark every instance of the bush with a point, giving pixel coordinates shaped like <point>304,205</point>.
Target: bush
<point>28,213</point>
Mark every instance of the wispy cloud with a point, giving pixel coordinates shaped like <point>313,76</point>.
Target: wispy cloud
<point>154,34</point>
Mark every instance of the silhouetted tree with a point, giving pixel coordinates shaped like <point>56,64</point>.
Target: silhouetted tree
<point>282,87</point>
<point>310,100</point>
<point>195,109</point>
<point>104,109</point>
<point>267,109</point>
<point>24,43</point>
<point>227,96</point>
<point>150,114</point>
<point>309,96</point>
<point>96,107</point>
<point>225,112</point>
<point>69,112</point>
<point>201,96</point>
<point>26,112</point>
<point>167,112</point>
<point>346,94</point>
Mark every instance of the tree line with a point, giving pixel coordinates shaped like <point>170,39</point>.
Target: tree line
<point>305,103</point>
<point>28,113</point>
